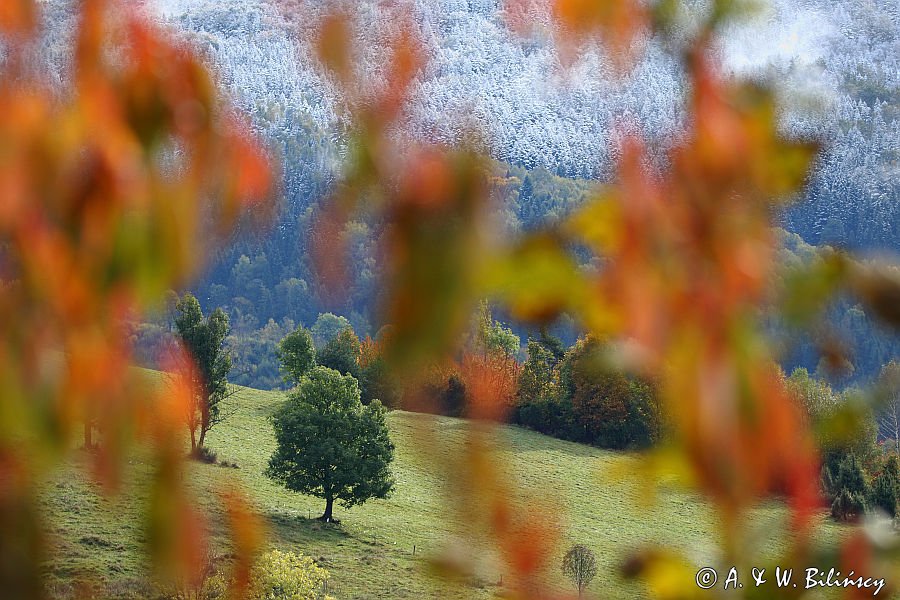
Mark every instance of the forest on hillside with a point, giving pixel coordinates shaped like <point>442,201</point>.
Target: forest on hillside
<point>834,63</point>
<point>836,74</point>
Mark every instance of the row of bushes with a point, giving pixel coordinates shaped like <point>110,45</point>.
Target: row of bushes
<point>572,394</point>
<point>275,575</point>
<point>578,396</point>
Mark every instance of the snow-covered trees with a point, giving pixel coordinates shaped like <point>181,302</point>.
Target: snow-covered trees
<point>838,64</point>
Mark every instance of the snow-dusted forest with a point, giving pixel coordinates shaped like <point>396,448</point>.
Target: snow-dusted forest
<point>837,65</point>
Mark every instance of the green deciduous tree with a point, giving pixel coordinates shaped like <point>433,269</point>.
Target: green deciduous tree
<point>375,379</point>
<point>829,413</point>
<point>491,337</point>
<point>331,446</point>
<point>601,406</point>
<point>204,340</point>
<point>297,355</point>
<point>553,344</point>
<point>538,380</point>
<point>327,327</point>
<point>614,410</point>
<point>341,353</point>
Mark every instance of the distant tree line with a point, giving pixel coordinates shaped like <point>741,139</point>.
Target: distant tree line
<point>265,299</point>
<point>574,393</point>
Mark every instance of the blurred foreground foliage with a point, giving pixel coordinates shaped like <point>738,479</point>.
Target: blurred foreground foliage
<point>113,187</point>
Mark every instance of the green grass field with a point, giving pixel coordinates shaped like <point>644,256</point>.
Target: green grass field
<point>370,555</point>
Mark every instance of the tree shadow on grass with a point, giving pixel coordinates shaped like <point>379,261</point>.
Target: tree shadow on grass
<point>293,528</point>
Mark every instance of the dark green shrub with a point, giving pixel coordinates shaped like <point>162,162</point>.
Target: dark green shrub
<point>341,353</point>
<point>204,455</point>
<point>376,383</point>
<point>848,506</point>
<point>884,494</point>
<point>886,487</point>
<point>846,487</point>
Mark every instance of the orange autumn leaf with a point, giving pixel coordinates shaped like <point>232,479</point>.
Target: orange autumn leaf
<point>247,533</point>
<point>618,20</point>
<point>490,381</point>
<point>17,17</point>
<point>333,44</point>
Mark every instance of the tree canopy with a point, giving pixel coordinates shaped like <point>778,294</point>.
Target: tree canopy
<point>296,354</point>
<point>580,565</point>
<point>331,446</point>
<point>341,353</point>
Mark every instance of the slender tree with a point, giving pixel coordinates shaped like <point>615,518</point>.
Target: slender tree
<point>89,424</point>
<point>889,420</point>
<point>580,565</point>
<point>331,446</point>
<point>538,380</point>
<point>490,336</point>
<point>204,340</point>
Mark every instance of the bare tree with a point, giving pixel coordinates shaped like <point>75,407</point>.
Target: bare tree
<point>580,565</point>
<point>889,419</point>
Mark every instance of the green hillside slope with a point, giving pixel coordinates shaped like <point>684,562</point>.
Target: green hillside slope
<point>371,554</point>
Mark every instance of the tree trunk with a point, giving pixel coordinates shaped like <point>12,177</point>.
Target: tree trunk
<point>88,434</point>
<point>193,440</point>
<point>202,437</point>
<point>327,515</point>
<point>204,421</point>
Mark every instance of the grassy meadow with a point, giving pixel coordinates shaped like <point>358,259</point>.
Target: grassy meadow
<point>370,555</point>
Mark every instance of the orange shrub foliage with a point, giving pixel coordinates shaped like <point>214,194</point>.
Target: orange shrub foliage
<point>369,351</point>
<point>491,381</point>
